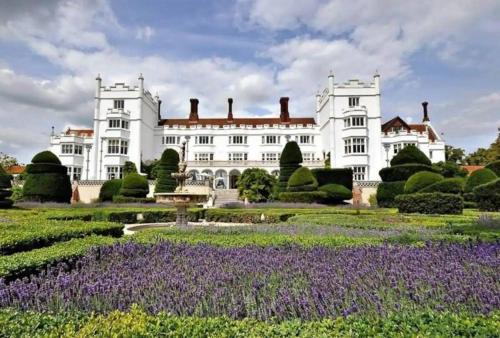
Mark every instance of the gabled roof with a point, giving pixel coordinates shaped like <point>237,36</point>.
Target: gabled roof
<point>254,121</point>
<point>80,132</point>
<point>395,122</point>
<point>420,127</point>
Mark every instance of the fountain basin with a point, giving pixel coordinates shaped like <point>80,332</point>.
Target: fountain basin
<point>181,201</point>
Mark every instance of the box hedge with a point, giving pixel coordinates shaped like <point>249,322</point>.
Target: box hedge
<point>342,176</point>
<point>134,185</point>
<point>410,154</point>
<point>302,180</point>
<point>430,203</point>
<point>304,197</point>
<point>110,189</point>
<point>5,189</point>
<point>387,192</point>
<point>168,164</point>
<point>453,185</point>
<point>336,193</point>
<point>402,172</point>
<point>421,180</point>
<point>495,167</point>
<point>478,177</point>
<point>487,196</point>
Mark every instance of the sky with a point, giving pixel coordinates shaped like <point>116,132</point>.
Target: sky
<point>441,51</point>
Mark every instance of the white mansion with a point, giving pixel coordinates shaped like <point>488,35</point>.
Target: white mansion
<point>347,130</point>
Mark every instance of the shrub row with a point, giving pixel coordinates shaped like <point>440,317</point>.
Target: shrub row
<point>23,264</point>
<point>248,215</point>
<point>342,176</point>
<point>430,203</point>
<point>303,197</point>
<point>138,323</point>
<point>127,199</point>
<point>336,193</point>
<point>387,192</point>
<point>487,196</point>
<point>25,237</point>
<point>402,172</point>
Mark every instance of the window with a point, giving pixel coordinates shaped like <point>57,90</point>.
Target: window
<point>347,123</point>
<point>358,173</point>
<point>306,139</point>
<point>353,101</point>
<point>203,156</point>
<point>355,145</point>
<point>78,149</point>
<point>204,140</point>
<point>66,148</point>
<point>114,124</point>
<point>124,147</point>
<point>238,139</point>
<point>308,157</point>
<point>113,146</point>
<point>124,124</point>
<point>236,157</point>
<point>271,139</point>
<point>398,146</point>
<point>430,154</point>
<point>114,172</point>
<point>169,140</point>
<point>358,121</point>
<point>270,157</point>
<point>119,104</point>
<point>77,173</point>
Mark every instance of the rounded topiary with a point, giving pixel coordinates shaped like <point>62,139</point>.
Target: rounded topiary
<point>410,154</point>
<point>336,193</point>
<point>134,185</point>
<point>47,180</point>
<point>421,180</point>
<point>479,177</point>
<point>402,172</point>
<point>302,180</point>
<point>5,189</point>
<point>387,192</point>
<point>129,168</point>
<point>495,167</point>
<point>487,196</point>
<point>169,163</point>
<point>109,189</point>
<point>454,185</point>
<point>290,160</point>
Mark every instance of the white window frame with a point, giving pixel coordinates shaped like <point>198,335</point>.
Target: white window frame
<point>169,140</point>
<point>355,145</point>
<point>78,149</point>
<point>238,139</point>
<point>353,101</point>
<point>203,157</point>
<point>66,148</point>
<point>237,157</point>
<point>119,104</point>
<point>359,172</point>
<point>270,157</point>
<point>114,172</point>
<point>123,147</point>
<point>114,146</point>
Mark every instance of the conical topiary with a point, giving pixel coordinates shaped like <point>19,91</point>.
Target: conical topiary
<point>290,160</point>
<point>5,189</point>
<point>169,163</point>
<point>47,180</point>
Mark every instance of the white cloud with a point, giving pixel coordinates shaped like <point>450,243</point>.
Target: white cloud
<point>144,33</point>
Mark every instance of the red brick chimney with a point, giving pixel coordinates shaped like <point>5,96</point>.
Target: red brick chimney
<point>230,111</point>
<point>193,114</point>
<point>426,115</point>
<point>284,114</point>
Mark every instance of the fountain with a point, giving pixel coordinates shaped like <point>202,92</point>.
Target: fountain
<point>181,198</point>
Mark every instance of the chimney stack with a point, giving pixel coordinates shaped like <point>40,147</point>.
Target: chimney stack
<point>159,109</point>
<point>193,115</point>
<point>284,114</point>
<point>230,111</point>
<point>426,115</point>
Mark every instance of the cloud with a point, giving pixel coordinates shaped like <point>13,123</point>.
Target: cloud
<point>144,33</point>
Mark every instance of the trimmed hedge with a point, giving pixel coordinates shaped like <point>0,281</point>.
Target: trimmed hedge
<point>336,193</point>
<point>110,189</point>
<point>478,177</point>
<point>410,154</point>
<point>495,167</point>
<point>47,180</point>
<point>127,199</point>
<point>342,176</point>
<point>487,196</point>
<point>453,185</point>
<point>387,192</point>
<point>302,180</point>
<point>421,180</point>
<point>134,185</point>
<point>304,197</point>
<point>402,172</point>
<point>248,215</point>
<point>5,189</point>
<point>169,163</point>
<point>290,160</point>
<point>430,203</point>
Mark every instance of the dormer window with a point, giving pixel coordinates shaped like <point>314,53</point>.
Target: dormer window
<point>119,104</point>
<point>353,101</point>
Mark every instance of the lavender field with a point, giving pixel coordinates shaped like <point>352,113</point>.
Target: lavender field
<point>268,282</point>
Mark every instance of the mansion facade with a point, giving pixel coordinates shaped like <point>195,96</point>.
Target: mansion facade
<point>347,131</point>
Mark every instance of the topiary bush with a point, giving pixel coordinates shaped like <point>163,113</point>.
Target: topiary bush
<point>110,189</point>
<point>387,192</point>
<point>134,185</point>
<point>129,168</point>
<point>487,196</point>
<point>449,169</point>
<point>304,197</point>
<point>421,180</point>
<point>342,176</point>
<point>336,193</point>
<point>495,167</point>
<point>454,185</point>
<point>47,180</point>
<point>5,189</point>
<point>478,177</point>
<point>290,160</point>
<point>256,185</point>
<point>169,163</point>
<point>302,180</point>
<point>410,154</point>
<point>402,172</point>
<point>430,203</point>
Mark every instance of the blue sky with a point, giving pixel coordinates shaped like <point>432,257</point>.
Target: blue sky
<point>445,52</point>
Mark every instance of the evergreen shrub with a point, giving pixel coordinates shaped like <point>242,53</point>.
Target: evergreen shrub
<point>478,177</point>
<point>302,180</point>
<point>387,192</point>
<point>290,160</point>
<point>304,197</point>
<point>134,185</point>
<point>430,203</point>
<point>487,196</point>
<point>5,189</point>
<point>454,185</point>
<point>168,164</point>
<point>342,176</point>
<point>410,154</point>
<point>336,193</point>
<point>402,172</point>
<point>495,167</point>
<point>256,185</point>
<point>421,180</point>
<point>110,189</point>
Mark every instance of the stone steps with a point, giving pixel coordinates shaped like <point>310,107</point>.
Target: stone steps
<point>225,196</point>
